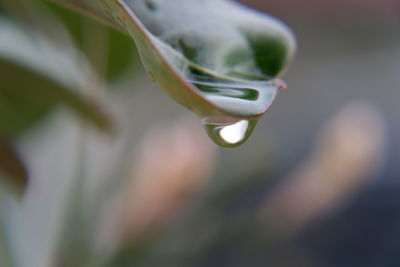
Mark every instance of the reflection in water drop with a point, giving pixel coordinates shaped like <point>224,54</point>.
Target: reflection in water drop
<point>234,133</point>
<point>239,98</point>
<point>230,135</point>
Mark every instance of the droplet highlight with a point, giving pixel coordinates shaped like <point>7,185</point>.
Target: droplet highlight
<point>234,133</point>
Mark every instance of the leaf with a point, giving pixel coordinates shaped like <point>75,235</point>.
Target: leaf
<point>187,43</point>
<point>5,260</point>
<point>37,75</point>
<point>91,9</point>
<point>216,57</point>
<point>55,157</point>
<point>113,48</point>
<point>7,206</point>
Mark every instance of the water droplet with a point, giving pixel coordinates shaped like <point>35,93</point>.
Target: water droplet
<point>232,134</point>
<point>239,98</point>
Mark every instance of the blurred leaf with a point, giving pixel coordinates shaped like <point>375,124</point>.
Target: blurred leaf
<point>71,20</point>
<point>36,76</point>
<point>120,55</point>
<point>11,167</point>
<point>5,260</point>
<point>6,208</point>
<point>91,9</point>
<point>53,156</point>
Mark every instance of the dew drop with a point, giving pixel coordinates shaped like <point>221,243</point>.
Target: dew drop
<point>241,99</point>
<point>232,134</point>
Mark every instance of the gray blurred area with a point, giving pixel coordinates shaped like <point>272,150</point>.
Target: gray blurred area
<point>347,50</point>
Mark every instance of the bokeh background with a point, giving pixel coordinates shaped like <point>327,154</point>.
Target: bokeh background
<point>316,185</point>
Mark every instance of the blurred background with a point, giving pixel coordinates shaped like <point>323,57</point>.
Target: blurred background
<point>120,175</point>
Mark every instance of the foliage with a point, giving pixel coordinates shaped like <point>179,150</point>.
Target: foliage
<point>78,187</point>
<point>77,195</point>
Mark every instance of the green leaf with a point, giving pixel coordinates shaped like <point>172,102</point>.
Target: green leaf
<point>90,8</point>
<point>37,75</point>
<point>216,57</point>
<point>218,41</point>
<point>217,44</point>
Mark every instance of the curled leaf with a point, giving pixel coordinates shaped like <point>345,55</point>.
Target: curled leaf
<point>197,44</point>
<point>215,57</point>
